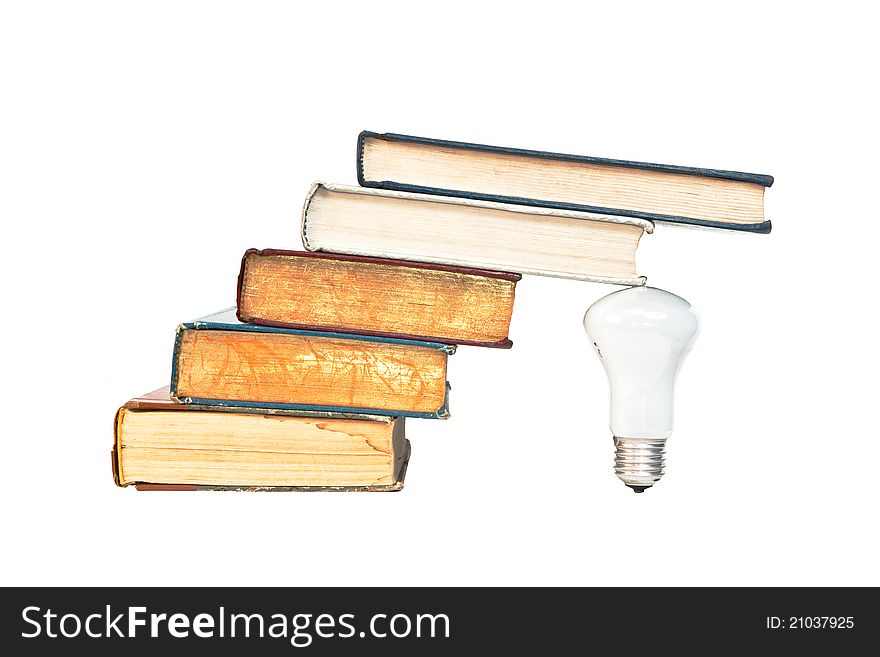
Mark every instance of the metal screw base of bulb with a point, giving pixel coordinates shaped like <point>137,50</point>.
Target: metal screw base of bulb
<point>639,463</point>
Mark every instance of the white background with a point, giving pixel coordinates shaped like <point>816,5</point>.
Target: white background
<point>145,146</point>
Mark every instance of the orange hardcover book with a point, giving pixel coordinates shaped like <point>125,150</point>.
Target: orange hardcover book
<point>222,362</point>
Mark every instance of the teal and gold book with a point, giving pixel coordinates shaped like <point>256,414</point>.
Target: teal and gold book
<point>712,198</point>
<point>221,361</point>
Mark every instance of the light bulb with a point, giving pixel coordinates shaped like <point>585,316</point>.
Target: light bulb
<point>641,335</point>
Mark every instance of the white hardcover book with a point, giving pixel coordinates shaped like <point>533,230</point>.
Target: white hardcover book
<point>471,233</point>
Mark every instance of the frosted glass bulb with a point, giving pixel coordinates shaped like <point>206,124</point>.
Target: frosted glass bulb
<point>641,335</point>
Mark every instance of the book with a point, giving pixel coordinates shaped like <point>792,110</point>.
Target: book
<point>469,233</point>
<point>162,444</point>
<point>658,192</point>
<point>219,360</point>
<point>376,296</point>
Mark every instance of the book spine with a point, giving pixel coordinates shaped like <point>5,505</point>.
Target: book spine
<point>240,284</point>
<point>304,221</point>
<point>114,451</point>
<point>175,355</point>
<point>359,155</point>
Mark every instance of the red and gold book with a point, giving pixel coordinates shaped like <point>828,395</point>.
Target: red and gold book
<point>376,296</point>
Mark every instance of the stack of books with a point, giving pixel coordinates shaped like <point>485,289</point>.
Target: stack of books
<point>306,383</point>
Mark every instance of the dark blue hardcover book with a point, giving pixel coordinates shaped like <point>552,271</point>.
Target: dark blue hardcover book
<point>711,198</point>
<point>220,361</point>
